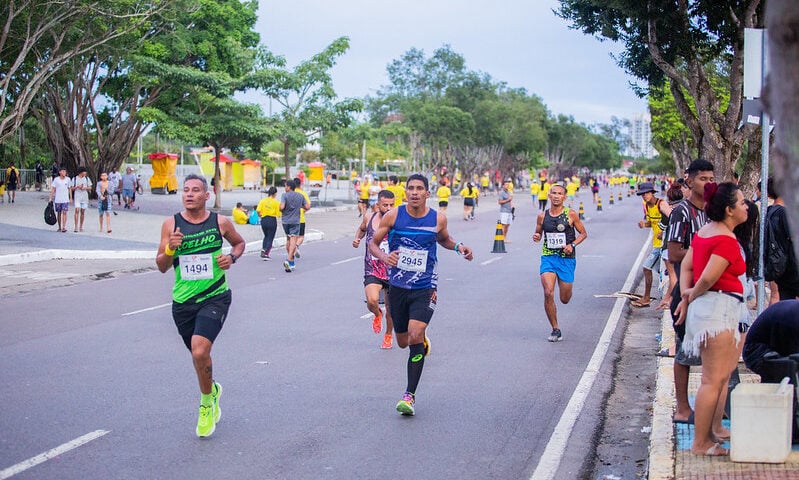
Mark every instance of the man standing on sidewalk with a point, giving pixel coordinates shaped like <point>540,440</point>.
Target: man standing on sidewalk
<point>413,231</point>
<point>685,220</point>
<point>290,205</point>
<point>654,210</point>
<point>191,243</point>
<point>59,195</point>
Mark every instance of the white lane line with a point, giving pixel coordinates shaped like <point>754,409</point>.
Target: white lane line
<point>491,260</point>
<point>346,260</point>
<point>550,460</point>
<point>147,309</point>
<point>61,449</point>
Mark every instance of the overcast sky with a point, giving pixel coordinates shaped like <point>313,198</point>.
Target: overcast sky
<point>520,42</point>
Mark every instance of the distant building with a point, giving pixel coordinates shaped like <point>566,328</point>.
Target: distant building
<point>641,137</point>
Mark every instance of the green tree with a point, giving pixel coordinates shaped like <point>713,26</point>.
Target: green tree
<point>686,43</point>
<point>306,95</point>
<point>40,37</point>
<point>94,111</point>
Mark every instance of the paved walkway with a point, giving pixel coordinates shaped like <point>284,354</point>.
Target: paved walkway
<point>670,454</point>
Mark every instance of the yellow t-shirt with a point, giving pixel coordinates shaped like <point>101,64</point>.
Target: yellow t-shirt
<point>2,189</point>
<point>465,192</point>
<point>365,190</point>
<point>239,216</point>
<point>399,194</point>
<point>542,194</point>
<point>571,188</point>
<point>485,181</point>
<point>443,193</point>
<point>653,216</point>
<point>269,207</point>
<point>535,187</point>
<point>307,199</point>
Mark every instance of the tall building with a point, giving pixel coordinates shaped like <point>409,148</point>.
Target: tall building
<point>641,137</point>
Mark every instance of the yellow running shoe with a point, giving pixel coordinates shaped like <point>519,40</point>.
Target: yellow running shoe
<point>405,406</point>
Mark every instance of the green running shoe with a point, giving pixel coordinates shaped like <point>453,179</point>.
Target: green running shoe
<point>405,406</point>
<point>217,392</point>
<point>205,421</point>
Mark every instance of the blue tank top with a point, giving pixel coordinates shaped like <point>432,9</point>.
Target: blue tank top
<point>415,239</point>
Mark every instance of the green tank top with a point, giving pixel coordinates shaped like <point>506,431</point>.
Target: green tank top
<point>197,275</point>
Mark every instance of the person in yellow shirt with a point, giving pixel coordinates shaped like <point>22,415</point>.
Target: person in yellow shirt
<point>269,211</point>
<point>485,182</point>
<point>397,189</point>
<point>571,190</point>
<point>301,236</point>
<point>2,192</point>
<point>543,194</point>
<point>654,209</point>
<point>535,187</point>
<point>363,200</point>
<point>240,214</point>
<point>443,193</point>
<point>469,194</point>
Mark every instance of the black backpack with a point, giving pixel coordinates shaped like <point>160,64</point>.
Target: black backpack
<point>777,252</point>
<point>12,177</point>
<point>49,214</point>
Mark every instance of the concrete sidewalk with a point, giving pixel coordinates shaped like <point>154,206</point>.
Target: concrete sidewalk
<point>670,454</point>
<point>34,255</point>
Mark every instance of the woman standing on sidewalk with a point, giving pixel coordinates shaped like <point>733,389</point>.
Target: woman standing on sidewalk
<point>712,295</point>
<point>269,211</point>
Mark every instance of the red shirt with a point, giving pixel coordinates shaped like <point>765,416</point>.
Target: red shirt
<point>727,248</point>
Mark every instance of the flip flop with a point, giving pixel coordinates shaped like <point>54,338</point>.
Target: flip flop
<point>640,304</point>
<point>689,421</point>
<point>716,451</point>
<point>665,353</point>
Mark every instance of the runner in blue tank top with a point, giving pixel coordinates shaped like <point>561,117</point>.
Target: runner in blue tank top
<point>413,231</point>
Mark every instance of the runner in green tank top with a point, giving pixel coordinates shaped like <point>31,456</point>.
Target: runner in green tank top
<point>191,244</point>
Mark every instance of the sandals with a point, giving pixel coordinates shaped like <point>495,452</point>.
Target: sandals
<point>715,451</point>
<point>640,304</point>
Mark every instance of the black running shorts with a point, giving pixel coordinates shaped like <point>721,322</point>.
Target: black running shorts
<point>204,319</point>
<point>407,305</point>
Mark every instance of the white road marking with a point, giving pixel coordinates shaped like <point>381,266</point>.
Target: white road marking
<point>61,449</point>
<point>491,260</point>
<point>347,260</point>
<point>368,315</point>
<point>147,309</point>
<point>550,460</point>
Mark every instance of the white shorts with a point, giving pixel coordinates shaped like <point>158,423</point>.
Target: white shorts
<point>81,204</point>
<point>709,315</point>
<point>505,218</point>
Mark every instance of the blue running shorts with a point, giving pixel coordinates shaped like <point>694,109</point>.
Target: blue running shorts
<point>562,267</point>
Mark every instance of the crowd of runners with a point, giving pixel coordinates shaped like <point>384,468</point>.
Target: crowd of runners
<point>401,234</point>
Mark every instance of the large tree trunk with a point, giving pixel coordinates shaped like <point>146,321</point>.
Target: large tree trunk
<point>782,101</point>
<point>76,131</point>
<point>716,131</point>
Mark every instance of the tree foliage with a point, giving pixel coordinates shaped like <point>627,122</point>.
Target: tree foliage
<point>686,42</point>
<point>40,37</point>
<point>305,93</point>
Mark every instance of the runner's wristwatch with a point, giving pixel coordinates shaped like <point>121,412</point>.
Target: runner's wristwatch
<point>233,257</point>
<point>572,245</point>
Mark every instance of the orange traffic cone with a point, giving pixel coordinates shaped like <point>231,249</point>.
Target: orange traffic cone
<point>499,240</point>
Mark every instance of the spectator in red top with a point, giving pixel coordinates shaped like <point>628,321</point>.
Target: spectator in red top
<point>712,295</point>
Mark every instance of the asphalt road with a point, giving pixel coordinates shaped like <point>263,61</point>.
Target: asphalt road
<point>308,393</point>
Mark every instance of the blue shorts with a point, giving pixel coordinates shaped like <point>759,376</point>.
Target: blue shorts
<point>127,192</point>
<point>562,267</point>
